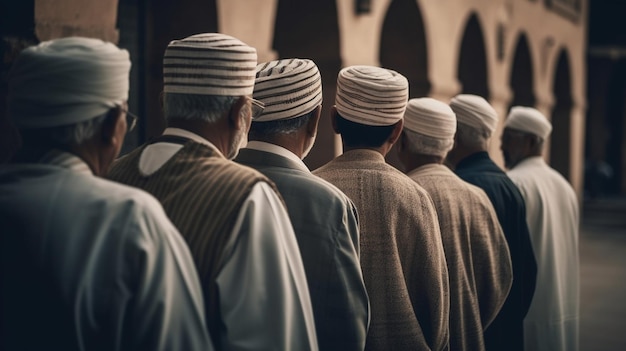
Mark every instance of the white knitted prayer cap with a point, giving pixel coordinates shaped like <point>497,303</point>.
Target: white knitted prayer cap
<point>289,88</point>
<point>66,81</point>
<point>431,118</point>
<point>474,111</point>
<point>371,95</point>
<point>529,120</point>
<point>209,64</point>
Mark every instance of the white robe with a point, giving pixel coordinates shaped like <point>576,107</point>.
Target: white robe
<point>553,221</point>
<point>90,264</point>
<point>264,296</point>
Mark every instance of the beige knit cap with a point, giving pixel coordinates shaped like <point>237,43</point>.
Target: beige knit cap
<point>371,95</point>
<point>209,64</point>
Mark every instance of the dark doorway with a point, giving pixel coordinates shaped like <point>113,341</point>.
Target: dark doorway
<point>472,68</point>
<point>314,36</point>
<point>561,141</point>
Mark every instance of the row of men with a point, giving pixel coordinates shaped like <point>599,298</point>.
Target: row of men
<point>355,255</point>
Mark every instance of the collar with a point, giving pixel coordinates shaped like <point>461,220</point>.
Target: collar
<point>276,149</point>
<point>190,135</point>
<point>66,160</point>
<point>430,169</point>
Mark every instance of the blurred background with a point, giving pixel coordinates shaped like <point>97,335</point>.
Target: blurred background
<point>567,58</point>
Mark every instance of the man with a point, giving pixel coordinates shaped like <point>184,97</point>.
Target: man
<point>324,219</point>
<point>87,264</point>
<point>231,216</point>
<point>402,258</point>
<point>553,217</point>
<point>479,265</point>
<point>476,122</point>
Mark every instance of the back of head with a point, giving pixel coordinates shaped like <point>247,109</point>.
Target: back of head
<point>528,120</point>
<point>67,81</point>
<point>204,74</point>
<point>429,126</point>
<point>291,90</point>
<point>369,101</point>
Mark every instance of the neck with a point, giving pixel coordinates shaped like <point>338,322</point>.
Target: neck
<point>461,152</point>
<point>415,161</point>
<point>213,132</point>
<point>293,142</point>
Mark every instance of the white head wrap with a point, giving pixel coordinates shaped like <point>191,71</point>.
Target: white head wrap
<point>529,120</point>
<point>209,64</point>
<point>371,95</point>
<point>67,81</point>
<point>430,117</point>
<point>474,111</point>
<point>289,88</point>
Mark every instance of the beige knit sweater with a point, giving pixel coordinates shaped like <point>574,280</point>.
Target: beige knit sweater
<point>402,256</point>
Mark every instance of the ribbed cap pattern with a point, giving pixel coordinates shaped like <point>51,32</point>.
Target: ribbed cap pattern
<point>289,88</point>
<point>474,111</point>
<point>371,95</point>
<point>430,117</point>
<point>209,64</point>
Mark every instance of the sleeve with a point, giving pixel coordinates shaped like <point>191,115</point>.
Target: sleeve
<point>264,297</point>
<point>490,251</point>
<point>167,308</point>
<point>431,292</point>
<point>347,315</point>
<point>528,262</point>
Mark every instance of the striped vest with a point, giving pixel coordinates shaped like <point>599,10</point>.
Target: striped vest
<point>201,192</point>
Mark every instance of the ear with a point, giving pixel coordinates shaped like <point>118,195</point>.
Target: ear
<point>333,118</point>
<point>234,116</point>
<point>311,128</point>
<point>114,127</point>
<point>395,134</point>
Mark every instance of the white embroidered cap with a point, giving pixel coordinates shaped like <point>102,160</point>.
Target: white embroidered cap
<point>66,81</point>
<point>529,120</point>
<point>430,117</point>
<point>474,111</point>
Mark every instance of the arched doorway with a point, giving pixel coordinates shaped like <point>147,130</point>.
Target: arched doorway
<point>522,75</point>
<point>472,67</point>
<point>403,49</point>
<point>316,37</point>
<point>561,141</point>
<point>161,21</point>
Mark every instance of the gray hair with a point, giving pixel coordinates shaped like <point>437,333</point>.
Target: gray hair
<point>472,136</point>
<point>427,145</point>
<point>285,126</point>
<point>75,134</point>
<point>208,108</point>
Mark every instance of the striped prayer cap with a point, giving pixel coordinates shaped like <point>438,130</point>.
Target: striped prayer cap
<point>474,111</point>
<point>289,88</point>
<point>209,64</point>
<point>430,117</point>
<point>371,95</point>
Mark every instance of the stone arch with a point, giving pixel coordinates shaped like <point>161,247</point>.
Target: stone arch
<point>472,70</point>
<point>403,45</point>
<point>316,37</point>
<point>403,49</point>
<point>561,141</point>
<point>522,74</point>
